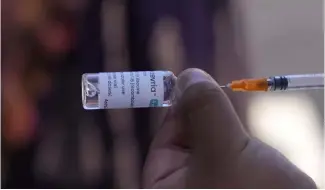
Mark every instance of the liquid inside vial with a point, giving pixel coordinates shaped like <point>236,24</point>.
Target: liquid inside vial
<point>114,90</point>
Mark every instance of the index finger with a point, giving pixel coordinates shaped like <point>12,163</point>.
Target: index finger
<point>166,162</point>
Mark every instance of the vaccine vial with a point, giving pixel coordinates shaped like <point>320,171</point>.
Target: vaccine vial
<point>116,90</point>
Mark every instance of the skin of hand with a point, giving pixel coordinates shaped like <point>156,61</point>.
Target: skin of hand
<point>202,144</point>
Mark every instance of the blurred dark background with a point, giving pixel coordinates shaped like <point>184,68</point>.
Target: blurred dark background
<point>48,139</point>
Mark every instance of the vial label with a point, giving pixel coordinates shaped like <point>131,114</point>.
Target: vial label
<point>131,89</point>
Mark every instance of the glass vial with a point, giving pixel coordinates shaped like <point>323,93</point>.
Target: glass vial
<point>115,90</point>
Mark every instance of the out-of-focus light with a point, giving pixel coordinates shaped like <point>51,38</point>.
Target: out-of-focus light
<point>166,46</point>
<point>291,124</point>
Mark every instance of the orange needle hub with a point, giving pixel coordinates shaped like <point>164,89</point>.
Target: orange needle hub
<point>249,85</point>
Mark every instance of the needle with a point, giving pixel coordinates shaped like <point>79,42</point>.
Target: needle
<point>223,86</point>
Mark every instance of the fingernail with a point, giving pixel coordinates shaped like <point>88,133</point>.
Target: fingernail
<point>189,78</point>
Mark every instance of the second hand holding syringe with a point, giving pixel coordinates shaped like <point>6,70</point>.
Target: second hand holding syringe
<point>279,83</point>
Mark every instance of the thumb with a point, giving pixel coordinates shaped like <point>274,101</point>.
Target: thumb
<point>213,125</point>
<point>215,133</point>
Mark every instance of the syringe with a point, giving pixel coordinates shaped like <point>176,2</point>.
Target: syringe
<point>278,83</point>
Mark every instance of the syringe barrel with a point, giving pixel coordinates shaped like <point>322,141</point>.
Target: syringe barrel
<point>295,82</point>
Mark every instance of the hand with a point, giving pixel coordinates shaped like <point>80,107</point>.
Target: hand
<point>202,144</point>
